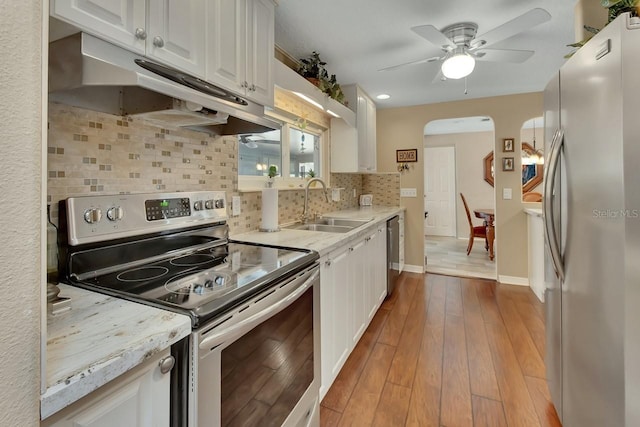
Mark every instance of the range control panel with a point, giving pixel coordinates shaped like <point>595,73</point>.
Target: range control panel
<point>98,218</point>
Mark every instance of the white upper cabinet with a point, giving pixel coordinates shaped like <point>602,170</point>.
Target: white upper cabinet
<point>169,31</point>
<point>120,21</point>
<point>240,47</point>
<point>176,34</point>
<point>354,150</point>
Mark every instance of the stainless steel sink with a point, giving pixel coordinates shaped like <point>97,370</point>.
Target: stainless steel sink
<point>321,227</point>
<point>353,223</point>
<point>331,225</point>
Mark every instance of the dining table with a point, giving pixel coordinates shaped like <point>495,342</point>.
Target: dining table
<point>488,215</point>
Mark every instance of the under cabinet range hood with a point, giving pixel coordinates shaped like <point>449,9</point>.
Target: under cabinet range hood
<point>88,72</point>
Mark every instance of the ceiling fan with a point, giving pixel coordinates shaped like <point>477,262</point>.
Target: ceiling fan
<point>462,47</point>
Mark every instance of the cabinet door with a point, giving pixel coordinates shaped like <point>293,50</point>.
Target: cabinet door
<point>114,20</point>
<point>334,317</point>
<point>139,398</point>
<point>260,51</point>
<point>176,34</point>
<point>371,273</point>
<point>226,43</point>
<point>357,282</point>
<point>371,136</point>
<point>381,265</point>
<point>366,117</point>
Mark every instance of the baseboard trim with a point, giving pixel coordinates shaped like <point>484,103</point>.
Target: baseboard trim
<point>413,268</point>
<point>513,280</point>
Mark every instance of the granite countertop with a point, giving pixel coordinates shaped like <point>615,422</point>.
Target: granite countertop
<point>319,241</point>
<point>100,338</point>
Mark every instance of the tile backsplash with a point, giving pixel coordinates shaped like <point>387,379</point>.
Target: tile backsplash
<point>92,153</point>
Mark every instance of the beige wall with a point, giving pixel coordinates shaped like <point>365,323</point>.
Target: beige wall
<point>20,221</point>
<point>399,128</point>
<point>471,148</point>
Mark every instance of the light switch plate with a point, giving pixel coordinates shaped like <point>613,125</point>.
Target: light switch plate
<point>235,202</point>
<point>408,192</point>
<point>506,194</point>
<point>335,194</point>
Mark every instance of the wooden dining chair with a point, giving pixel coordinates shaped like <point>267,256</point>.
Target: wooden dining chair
<point>477,231</point>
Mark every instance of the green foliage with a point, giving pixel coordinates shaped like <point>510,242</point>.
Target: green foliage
<point>314,68</point>
<point>273,171</point>
<point>617,7</point>
<point>311,173</point>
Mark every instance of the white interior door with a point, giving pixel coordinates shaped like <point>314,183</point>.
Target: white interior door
<point>440,191</point>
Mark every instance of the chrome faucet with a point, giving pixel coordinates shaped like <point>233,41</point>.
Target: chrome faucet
<point>304,215</point>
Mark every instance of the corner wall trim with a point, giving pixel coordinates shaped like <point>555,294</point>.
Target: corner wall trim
<point>413,268</point>
<point>513,280</point>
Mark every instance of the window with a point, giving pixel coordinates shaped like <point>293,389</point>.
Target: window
<point>304,153</point>
<point>294,152</point>
<point>258,151</point>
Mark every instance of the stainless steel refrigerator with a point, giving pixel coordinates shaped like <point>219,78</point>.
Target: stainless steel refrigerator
<point>592,226</point>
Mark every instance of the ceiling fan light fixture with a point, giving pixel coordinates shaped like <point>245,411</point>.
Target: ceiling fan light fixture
<point>458,64</point>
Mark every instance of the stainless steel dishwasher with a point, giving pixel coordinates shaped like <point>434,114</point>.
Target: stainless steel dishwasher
<point>393,253</point>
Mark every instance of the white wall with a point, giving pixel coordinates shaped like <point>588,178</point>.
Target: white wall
<point>20,185</point>
<point>471,148</point>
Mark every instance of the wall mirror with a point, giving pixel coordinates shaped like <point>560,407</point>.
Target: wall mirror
<point>531,174</point>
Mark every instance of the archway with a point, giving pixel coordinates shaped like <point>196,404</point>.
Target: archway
<point>454,151</point>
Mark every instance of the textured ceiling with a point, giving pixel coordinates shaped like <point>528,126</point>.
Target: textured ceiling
<point>358,37</point>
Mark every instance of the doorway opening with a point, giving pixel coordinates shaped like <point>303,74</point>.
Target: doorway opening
<point>454,163</point>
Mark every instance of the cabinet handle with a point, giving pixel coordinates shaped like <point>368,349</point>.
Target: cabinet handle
<point>244,84</point>
<point>166,364</point>
<point>350,249</point>
<point>141,34</point>
<point>252,88</point>
<point>158,42</point>
<point>327,263</point>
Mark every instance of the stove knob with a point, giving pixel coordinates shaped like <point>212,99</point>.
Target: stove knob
<point>92,215</point>
<point>115,213</point>
<point>208,204</point>
<point>198,205</point>
<point>219,281</point>
<point>219,203</point>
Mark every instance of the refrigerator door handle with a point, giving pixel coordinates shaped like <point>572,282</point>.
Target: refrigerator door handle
<point>549,184</point>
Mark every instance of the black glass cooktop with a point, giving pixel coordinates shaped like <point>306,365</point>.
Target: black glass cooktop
<point>204,282</point>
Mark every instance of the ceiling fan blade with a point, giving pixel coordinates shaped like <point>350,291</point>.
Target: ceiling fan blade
<point>406,64</point>
<point>439,77</point>
<point>504,55</point>
<point>517,25</point>
<point>433,35</point>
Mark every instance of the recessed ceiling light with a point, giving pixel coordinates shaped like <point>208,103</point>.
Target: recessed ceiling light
<point>383,96</point>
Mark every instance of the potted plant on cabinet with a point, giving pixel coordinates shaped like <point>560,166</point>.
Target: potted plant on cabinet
<point>313,69</point>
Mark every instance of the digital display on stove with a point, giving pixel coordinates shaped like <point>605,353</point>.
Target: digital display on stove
<point>159,209</point>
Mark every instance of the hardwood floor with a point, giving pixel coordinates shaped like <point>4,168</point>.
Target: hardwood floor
<point>447,351</point>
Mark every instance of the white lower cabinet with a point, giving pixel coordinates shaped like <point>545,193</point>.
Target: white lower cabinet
<point>138,398</point>
<point>352,287</point>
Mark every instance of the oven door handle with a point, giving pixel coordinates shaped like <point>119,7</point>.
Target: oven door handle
<point>250,322</point>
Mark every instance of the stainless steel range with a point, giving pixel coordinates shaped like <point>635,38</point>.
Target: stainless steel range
<point>252,356</point>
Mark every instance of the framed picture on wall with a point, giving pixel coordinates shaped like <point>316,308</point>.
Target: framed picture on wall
<point>507,164</point>
<point>507,145</point>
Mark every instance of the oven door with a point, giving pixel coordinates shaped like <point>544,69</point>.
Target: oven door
<point>259,364</point>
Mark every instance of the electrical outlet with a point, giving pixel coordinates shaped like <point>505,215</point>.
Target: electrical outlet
<point>408,192</point>
<point>235,205</point>
<point>354,193</point>
<point>507,194</point>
